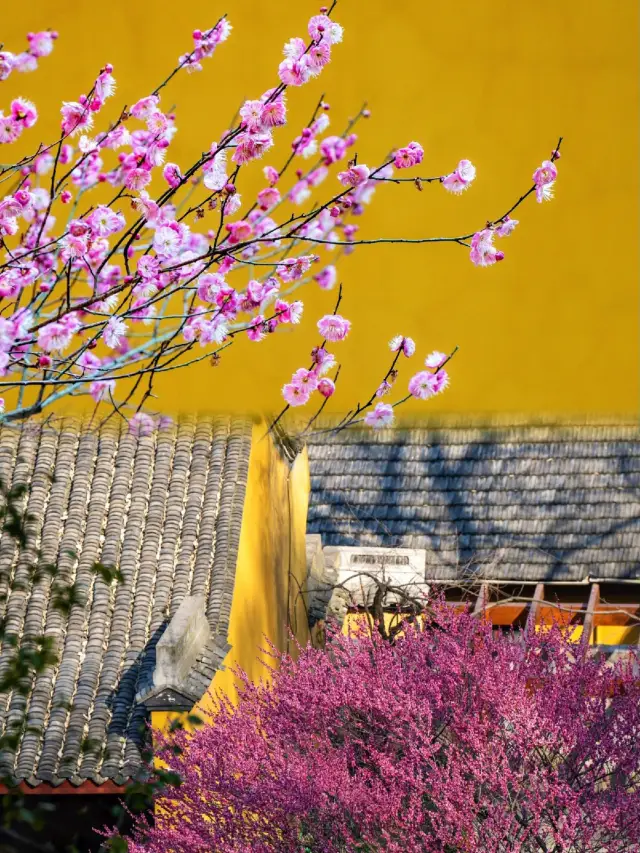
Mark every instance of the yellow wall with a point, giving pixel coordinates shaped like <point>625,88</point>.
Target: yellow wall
<point>554,327</point>
<point>271,562</point>
<point>271,568</point>
<point>603,635</point>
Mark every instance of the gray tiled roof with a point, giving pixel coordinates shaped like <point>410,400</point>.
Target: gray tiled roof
<point>539,503</point>
<point>166,511</point>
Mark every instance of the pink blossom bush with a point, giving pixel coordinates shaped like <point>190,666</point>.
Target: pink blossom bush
<point>119,263</point>
<point>449,739</point>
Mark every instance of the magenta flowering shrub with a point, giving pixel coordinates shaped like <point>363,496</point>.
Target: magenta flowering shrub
<point>450,739</point>
<point>118,264</point>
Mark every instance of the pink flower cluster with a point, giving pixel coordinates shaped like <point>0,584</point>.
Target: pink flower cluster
<point>40,44</point>
<point>304,61</point>
<point>461,178</point>
<point>544,178</point>
<point>305,381</point>
<point>131,285</point>
<point>22,115</point>
<point>483,251</point>
<point>410,155</point>
<point>422,385</point>
<point>453,737</point>
<point>205,44</point>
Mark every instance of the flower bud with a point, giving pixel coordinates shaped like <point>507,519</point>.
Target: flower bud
<point>45,361</point>
<point>326,387</point>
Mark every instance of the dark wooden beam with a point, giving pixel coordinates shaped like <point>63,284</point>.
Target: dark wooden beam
<point>87,787</point>
<point>534,608</point>
<point>482,600</point>
<point>592,606</point>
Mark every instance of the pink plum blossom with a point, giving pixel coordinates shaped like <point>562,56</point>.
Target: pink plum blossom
<point>114,332</point>
<point>215,171</point>
<point>354,176</point>
<point>55,336</point>
<point>294,49</point>
<point>483,252</point>
<point>294,72</point>
<point>271,175</point>
<point>425,384</point>
<point>251,146</point>
<point>322,28</point>
<point>382,415</point>
<point>435,359</point>
<point>172,175</point>
<point>41,43</point>
<point>306,378</point>
<point>326,387</point>
<point>257,330</point>
<point>406,345</point>
<point>268,197</point>
<point>461,178</point>
<point>327,277</point>
<point>250,113</point>
<point>506,227</point>
<point>141,424</point>
<point>333,327</point>
<point>323,360</point>
<point>410,155</point>
<point>544,178</point>
<point>292,269</point>
<point>24,111</point>
<point>239,231</point>
<point>75,117</point>
<point>273,112</point>
<point>421,385</point>
<point>333,148</point>
<point>143,108</point>
<point>318,56</point>
<point>440,381</point>
<point>296,394</point>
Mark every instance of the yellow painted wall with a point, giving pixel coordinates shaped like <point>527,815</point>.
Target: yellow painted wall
<point>271,567</point>
<point>603,635</point>
<point>271,562</point>
<point>551,329</point>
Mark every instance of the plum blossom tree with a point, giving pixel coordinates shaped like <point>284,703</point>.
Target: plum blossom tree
<point>450,738</point>
<point>118,265</point>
